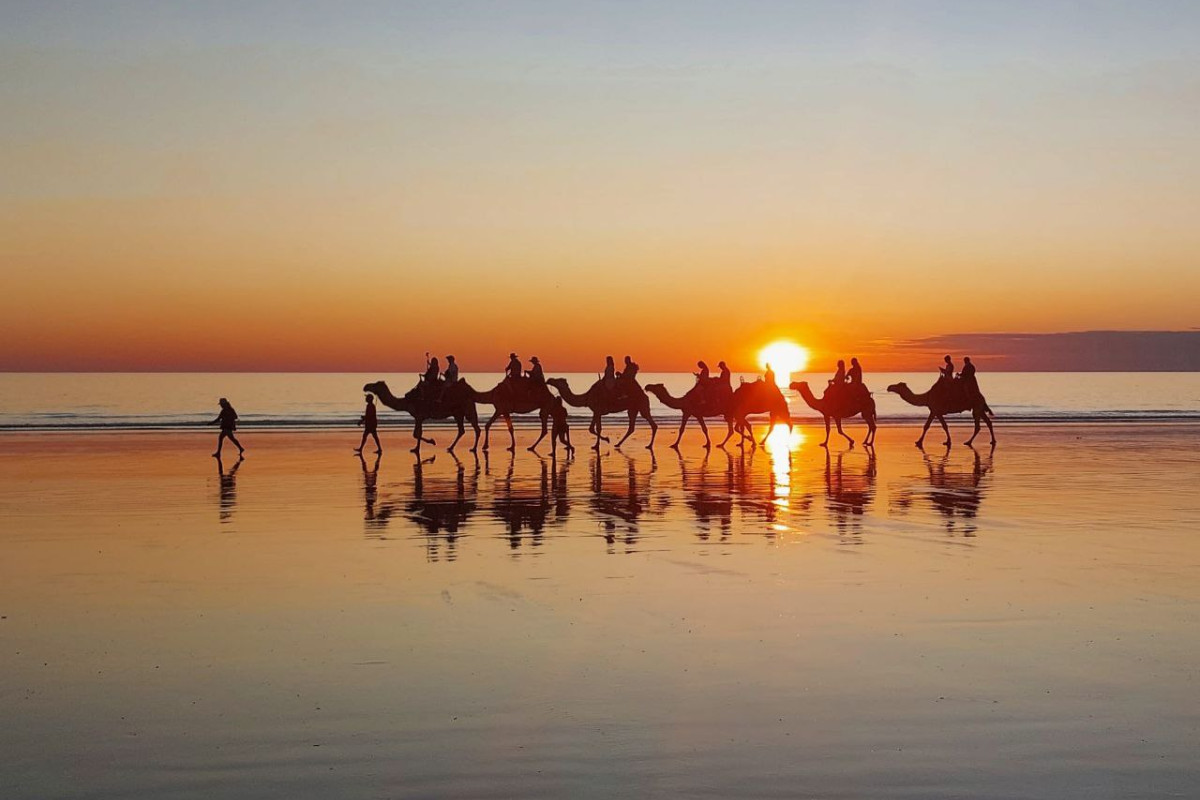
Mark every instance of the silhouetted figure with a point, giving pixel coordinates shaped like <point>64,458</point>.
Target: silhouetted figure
<point>610,373</point>
<point>227,419</point>
<point>725,376</point>
<point>450,375</point>
<point>967,376</point>
<point>560,432</point>
<point>630,372</point>
<point>703,375</point>
<point>947,372</point>
<point>839,377</point>
<point>854,375</point>
<point>535,372</point>
<point>370,424</point>
<point>513,370</point>
<point>432,371</point>
<point>769,375</point>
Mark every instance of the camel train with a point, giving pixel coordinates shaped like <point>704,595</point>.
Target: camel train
<point>845,397</point>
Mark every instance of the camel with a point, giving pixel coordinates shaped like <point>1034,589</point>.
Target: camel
<point>947,398</point>
<point>759,397</point>
<point>457,402</point>
<point>695,403</point>
<point>848,401</point>
<point>510,397</point>
<point>601,401</point>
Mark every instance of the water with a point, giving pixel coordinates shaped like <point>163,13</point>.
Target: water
<point>1021,622</point>
<point>147,401</point>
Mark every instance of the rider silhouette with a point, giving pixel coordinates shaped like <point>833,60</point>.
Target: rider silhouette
<point>854,376</point>
<point>450,376</point>
<point>839,377</point>
<point>513,370</point>
<point>725,377</point>
<point>610,373</point>
<point>431,372</point>
<point>535,373</point>
<point>769,375</point>
<point>967,376</point>
<point>631,370</point>
<point>947,372</point>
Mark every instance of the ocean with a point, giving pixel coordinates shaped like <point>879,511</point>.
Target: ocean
<point>152,401</point>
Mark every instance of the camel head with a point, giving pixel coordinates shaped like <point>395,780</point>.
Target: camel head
<point>656,389</point>
<point>798,386</point>
<point>897,388</point>
<point>377,388</point>
<point>557,383</point>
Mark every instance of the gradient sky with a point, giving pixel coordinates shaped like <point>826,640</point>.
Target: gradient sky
<point>344,186</point>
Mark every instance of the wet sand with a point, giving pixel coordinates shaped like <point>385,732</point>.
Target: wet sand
<point>1016,623</point>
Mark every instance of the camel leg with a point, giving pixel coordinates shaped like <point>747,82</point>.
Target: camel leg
<point>925,430</point>
<point>629,430</point>
<point>976,433</point>
<point>461,430</point>
<point>991,431</point>
<point>704,428</point>
<point>946,428</point>
<point>533,447</point>
<point>728,431</point>
<point>870,440</point>
<point>417,435</point>
<point>747,433</point>
<point>474,424</point>
<point>512,437</point>
<point>843,433</point>
<point>487,431</point>
<point>654,426</point>
<point>826,442</point>
<point>597,424</point>
<point>679,436</point>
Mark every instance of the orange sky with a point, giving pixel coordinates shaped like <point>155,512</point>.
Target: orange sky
<point>185,190</point>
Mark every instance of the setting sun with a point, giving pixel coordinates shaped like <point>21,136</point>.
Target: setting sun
<point>785,357</point>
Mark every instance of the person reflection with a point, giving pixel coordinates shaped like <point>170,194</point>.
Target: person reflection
<point>709,494</point>
<point>848,493</point>
<point>371,517</point>
<point>954,493</point>
<point>227,488</point>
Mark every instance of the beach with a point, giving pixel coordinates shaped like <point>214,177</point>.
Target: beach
<point>1016,622</point>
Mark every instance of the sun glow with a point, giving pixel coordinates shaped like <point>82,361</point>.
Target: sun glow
<point>785,357</point>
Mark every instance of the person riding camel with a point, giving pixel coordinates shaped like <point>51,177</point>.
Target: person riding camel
<point>725,376</point>
<point>839,377</point>
<point>535,373</point>
<point>769,375</point>
<point>854,374</point>
<point>450,375</point>
<point>610,374</point>
<point>513,370</point>
<point>947,372</point>
<point>967,378</point>
<point>629,374</point>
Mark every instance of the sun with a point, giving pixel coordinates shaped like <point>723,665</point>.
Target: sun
<point>785,357</point>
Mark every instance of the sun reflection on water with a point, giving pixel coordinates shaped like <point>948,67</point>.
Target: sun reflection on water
<point>780,443</point>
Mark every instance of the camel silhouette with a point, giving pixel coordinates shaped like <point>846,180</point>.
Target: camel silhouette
<point>516,396</point>
<point>947,397</point>
<point>759,397</point>
<point>846,402</point>
<point>699,402</point>
<point>633,401</point>
<point>457,402</point>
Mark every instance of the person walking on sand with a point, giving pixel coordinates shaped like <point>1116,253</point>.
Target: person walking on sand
<point>560,432</point>
<point>370,425</point>
<point>227,419</point>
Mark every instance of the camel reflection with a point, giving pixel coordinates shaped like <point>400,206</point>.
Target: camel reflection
<point>709,494</point>
<point>439,505</point>
<point>618,501</point>
<point>227,489</point>
<point>848,493</point>
<point>954,494</point>
<point>527,504</point>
